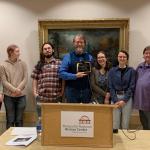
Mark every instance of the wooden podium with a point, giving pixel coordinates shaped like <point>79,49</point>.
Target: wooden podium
<point>102,122</point>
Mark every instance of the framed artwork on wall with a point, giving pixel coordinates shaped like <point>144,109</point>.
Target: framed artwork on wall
<point>109,35</point>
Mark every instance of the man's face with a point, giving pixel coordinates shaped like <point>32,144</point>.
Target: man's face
<point>79,44</point>
<point>15,54</point>
<point>47,50</point>
<point>146,56</point>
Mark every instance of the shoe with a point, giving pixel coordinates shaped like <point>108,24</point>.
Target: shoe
<point>115,130</point>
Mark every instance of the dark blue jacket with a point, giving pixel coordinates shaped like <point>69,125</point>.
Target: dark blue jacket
<point>68,69</point>
<point>125,83</point>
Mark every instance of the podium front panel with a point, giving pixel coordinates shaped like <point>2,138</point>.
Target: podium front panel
<point>51,125</point>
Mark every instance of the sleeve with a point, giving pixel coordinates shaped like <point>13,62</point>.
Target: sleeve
<point>23,83</point>
<point>111,86</point>
<point>94,86</point>
<point>64,69</point>
<point>5,83</point>
<point>34,74</point>
<point>130,90</point>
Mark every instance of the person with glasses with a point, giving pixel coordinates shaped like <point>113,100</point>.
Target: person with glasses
<point>99,79</point>
<point>121,85</point>
<point>77,88</point>
<point>142,90</point>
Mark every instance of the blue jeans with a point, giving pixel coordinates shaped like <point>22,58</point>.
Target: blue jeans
<point>121,116</point>
<point>78,95</point>
<point>15,107</point>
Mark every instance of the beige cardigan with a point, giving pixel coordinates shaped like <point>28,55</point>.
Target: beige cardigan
<point>13,76</point>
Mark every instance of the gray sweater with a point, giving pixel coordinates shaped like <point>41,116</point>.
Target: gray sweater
<point>13,76</point>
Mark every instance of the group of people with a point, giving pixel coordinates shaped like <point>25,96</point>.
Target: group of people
<point>52,78</point>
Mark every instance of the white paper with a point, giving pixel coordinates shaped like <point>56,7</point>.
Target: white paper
<point>22,140</point>
<point>24,131</point>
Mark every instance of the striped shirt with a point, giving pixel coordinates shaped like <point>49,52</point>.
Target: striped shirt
<point>48,82</point>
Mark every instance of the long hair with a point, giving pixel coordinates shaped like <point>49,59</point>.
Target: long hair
<point>41,62</point>
<point>98,66</point>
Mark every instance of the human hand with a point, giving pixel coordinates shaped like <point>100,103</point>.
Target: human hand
<point>120,104</point>
<point>35,94</point>
<point>107,97</point>
<point>81,74</point>
<point>16,93</point>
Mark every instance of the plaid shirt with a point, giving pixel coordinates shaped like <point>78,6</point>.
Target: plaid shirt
<point>48,82</point>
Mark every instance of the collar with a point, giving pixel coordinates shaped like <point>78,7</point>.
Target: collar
<point>52,59</point>
<point>80,55</point>
<point>144,65</point>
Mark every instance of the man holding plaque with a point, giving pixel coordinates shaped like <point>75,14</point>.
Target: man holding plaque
<point>75,69</point>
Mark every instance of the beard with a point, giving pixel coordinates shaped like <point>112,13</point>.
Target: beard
<point>48,56</point>
<point>79,50</point>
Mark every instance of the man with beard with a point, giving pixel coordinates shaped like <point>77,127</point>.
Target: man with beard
<point>77,81</point>
<point>47,86</point>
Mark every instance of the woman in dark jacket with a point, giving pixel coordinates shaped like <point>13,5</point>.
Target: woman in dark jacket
<point>121,86</point>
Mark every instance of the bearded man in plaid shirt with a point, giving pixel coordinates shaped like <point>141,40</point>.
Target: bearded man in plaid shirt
<point>47,86</point>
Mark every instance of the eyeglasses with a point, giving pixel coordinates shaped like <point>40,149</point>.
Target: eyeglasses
<point>101,57</point>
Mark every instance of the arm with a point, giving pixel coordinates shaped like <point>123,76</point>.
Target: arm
<point>94,86</point>
<point>111,86</point>
<point>63,70</point>
<point>63,87</point>
<point>21,86</point>
<point>1,93</point>
<point>130,90</point>
<point>5,82</point>
<point>34,87</point>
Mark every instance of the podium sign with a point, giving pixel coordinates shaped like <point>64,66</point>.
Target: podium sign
<point>77,124</point>
<point>69,124</point>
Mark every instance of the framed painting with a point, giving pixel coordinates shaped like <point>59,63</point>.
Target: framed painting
<point>109,35</point>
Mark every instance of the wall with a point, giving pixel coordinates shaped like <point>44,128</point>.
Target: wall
<point>19,24</point>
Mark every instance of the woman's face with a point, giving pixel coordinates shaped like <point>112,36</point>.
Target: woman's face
<point>101,59</point>
<point>122,58</point>
<point>146,56</point>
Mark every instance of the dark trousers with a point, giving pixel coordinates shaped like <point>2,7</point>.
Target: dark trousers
<point>0,105</point>
<point>145,119</point>
<point>78,95</point>
<point>15,107</point>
